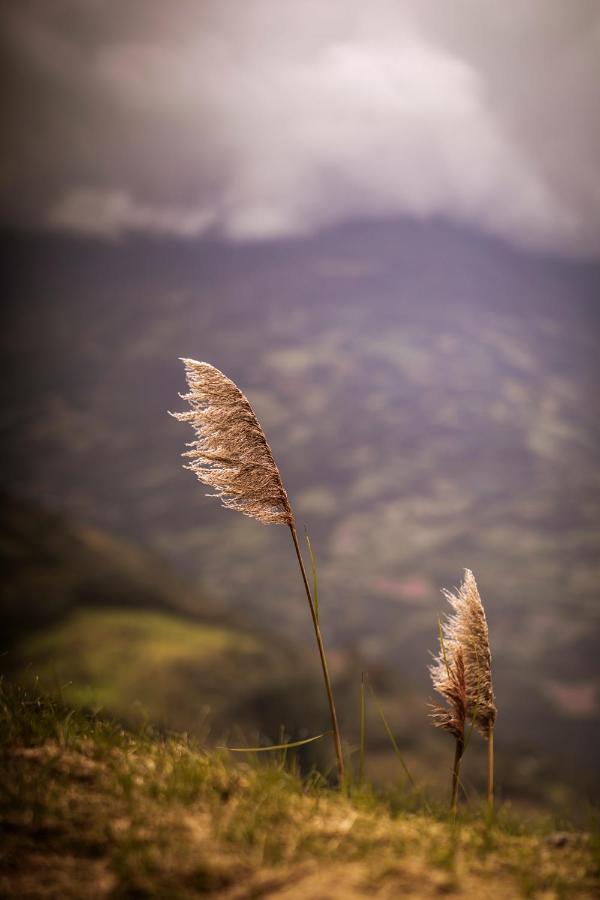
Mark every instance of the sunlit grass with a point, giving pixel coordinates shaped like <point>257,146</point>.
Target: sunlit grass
<point>149,815</point>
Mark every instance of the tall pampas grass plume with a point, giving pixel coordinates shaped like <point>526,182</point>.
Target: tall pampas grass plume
<point>462,675</point>
<point>231,454</point>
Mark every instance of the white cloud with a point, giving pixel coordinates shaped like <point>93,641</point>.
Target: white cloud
<point>274,118</point>
<point>110,214</point>
<point>363,132</point>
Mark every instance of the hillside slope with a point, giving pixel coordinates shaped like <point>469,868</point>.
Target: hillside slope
<point>53,565</point>
<point>111,627</point>
<point>89,810</point>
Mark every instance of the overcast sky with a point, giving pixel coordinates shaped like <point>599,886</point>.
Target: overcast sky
<point>267,118</point>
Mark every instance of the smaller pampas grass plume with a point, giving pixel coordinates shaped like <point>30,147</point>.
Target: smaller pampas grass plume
<point>462,675</point>
<point>231,455</point>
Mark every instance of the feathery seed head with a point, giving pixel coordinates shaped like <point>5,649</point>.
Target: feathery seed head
<point>466,627</point>
<point>231,453</point>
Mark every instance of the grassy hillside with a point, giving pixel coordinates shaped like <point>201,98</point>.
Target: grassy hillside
<point>189,675</point>
<point>102,621</point>
<point>90,810</point>
<point>53,565</point>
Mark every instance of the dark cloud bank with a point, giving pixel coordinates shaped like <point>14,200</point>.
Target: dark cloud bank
<point>268,118</point>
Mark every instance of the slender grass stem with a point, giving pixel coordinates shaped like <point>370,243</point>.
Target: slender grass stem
<point>337,741</point>
<point>313,565</point>
<point>361,764</point>
<point>490,769</point>
<point>460,748</point>
<point>396,750</point>
<point>393,740</point>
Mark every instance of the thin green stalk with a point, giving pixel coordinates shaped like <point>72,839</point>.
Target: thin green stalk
<point>337,740</point>
<point>361,757</point>
<point>490,769</point>
<point>313,565</point>
<point>289,746</point>
<point>460,748</point>
<point>393,741</point>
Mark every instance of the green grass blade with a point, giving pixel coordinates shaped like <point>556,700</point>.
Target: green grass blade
<point>390,734</point>
<point>396,749</point>
<point>313,566</point>
<point>361,758</point>
<point>290,746</point>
